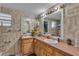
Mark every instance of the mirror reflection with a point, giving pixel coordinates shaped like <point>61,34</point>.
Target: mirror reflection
<point>52,24</point>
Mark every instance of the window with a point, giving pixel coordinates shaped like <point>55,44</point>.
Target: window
<point>5,19</point>
<point>6,23</point>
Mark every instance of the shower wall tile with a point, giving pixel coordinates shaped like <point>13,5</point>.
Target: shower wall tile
<point>71,24</point>
<point>14,33</point>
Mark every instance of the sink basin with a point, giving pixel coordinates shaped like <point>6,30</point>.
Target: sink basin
<point>51,41</point>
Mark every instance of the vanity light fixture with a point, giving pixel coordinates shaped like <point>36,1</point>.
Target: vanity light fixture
<point>43,15</point>
<point>49,11</point>
<point>56,8</point>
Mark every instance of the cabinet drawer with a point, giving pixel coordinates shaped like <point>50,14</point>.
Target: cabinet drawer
<point>27,46</point>
<point>49,49</point>
<point>24,41</point>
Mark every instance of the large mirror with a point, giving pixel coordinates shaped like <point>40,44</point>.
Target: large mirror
<point>53,24</point>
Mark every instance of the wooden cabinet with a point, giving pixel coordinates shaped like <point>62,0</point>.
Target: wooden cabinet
<point>26,46</point>
<point>43,49</point>
<point>40,48</point>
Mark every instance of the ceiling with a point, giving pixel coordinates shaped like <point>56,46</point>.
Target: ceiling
<point>56,16</point>
<point>31,9</point>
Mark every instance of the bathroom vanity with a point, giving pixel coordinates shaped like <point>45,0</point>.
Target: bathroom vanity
<point>41,47</point>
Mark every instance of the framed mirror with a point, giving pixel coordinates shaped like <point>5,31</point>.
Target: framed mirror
<point>53,24</point>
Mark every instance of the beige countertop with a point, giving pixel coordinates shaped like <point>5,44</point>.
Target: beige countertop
<point>23,37</point>
<point>60,45</point>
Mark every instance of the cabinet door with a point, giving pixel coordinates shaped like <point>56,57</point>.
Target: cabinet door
<point>37,50</point>
<point>50,50</point>
<point>46,50</point>
<point>27,48</point>
<point>43,48</point>
<point>48,54</point>
<point>59,53</point>
<point>36,47</point>
<point>43,52</point>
